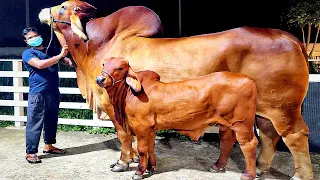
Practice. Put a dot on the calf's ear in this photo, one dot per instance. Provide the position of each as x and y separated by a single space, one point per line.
133 81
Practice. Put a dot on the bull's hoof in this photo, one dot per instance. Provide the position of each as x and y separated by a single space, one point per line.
137 177
260 172
215 169
295 178
119 166
136 159
246 176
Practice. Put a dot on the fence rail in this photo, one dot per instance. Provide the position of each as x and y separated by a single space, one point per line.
18 103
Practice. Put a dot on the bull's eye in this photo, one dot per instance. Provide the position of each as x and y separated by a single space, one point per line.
102 64
76 8
62 9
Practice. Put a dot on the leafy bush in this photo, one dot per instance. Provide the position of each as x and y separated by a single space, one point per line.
6 123
75 113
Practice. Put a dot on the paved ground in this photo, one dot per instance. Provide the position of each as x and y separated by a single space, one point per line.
89 157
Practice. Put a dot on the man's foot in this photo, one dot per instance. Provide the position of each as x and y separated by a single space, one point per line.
54 150
33 158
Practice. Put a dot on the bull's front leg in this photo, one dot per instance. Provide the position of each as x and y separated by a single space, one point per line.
126 143
134 150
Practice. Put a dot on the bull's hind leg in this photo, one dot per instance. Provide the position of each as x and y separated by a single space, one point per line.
248 144
269 138
296 140
227 140
294 132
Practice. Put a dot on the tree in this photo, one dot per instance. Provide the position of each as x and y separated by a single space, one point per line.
304 13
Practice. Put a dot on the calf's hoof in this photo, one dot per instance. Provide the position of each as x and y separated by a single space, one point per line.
119 166
246 176
137 177
215 169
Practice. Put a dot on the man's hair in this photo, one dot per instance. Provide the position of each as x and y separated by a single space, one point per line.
27 30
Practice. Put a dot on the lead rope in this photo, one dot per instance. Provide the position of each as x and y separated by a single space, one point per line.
51 31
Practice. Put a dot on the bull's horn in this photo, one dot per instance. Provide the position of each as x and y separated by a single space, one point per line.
77 27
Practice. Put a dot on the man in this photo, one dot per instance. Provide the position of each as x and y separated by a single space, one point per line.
44 95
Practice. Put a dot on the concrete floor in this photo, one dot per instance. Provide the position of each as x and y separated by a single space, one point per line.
89 157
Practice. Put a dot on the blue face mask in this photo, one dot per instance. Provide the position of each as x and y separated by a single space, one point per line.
36 41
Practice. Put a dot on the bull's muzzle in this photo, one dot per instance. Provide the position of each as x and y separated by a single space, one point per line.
44 16
100 80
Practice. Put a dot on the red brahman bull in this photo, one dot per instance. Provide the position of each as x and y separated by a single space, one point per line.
274 59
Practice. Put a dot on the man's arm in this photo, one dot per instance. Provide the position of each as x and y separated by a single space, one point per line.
45 63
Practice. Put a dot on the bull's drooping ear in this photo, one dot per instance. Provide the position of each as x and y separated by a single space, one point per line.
76 27
133 81
85 11
81 14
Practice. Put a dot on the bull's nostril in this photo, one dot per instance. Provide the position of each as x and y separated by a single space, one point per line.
100 80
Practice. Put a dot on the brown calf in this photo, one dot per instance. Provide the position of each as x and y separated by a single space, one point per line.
143 105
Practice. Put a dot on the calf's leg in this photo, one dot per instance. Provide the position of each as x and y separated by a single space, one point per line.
151 156
143 149
227 140
248 144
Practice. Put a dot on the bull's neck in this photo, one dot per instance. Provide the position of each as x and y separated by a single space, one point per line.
78 49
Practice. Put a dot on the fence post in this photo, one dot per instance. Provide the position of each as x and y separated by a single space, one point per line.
17 96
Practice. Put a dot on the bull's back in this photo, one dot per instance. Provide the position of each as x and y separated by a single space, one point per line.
274 59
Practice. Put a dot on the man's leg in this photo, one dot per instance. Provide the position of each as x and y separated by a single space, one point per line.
51 123
35 116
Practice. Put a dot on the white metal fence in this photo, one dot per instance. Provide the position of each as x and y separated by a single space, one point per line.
18 103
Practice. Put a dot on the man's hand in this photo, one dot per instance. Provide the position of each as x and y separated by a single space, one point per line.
64 51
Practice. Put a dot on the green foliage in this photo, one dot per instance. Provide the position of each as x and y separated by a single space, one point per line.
75 113
301 13
6 123
81 114
4 110
89 129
